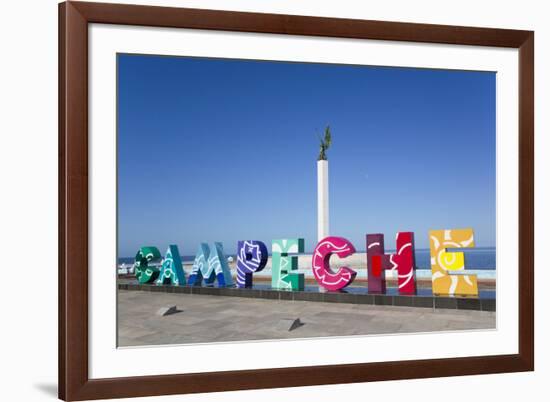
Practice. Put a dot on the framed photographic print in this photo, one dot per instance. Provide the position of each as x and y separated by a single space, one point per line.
259 200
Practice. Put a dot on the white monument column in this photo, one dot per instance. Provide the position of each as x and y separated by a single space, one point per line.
322 199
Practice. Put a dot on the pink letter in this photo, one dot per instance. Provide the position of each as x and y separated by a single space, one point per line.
332 281
403 262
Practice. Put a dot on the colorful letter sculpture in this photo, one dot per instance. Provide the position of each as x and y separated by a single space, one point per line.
282 264
210 264
403 262
251 257
325 276
145 273
171 271
448 267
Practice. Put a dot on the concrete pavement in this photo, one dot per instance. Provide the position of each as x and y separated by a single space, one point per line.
219 319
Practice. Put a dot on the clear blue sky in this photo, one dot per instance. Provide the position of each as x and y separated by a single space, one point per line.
226 150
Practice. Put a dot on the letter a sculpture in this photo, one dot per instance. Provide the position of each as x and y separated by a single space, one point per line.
171 271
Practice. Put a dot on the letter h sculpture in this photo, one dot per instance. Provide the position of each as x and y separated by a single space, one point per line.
402 262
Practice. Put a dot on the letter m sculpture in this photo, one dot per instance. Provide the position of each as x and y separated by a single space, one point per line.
210 265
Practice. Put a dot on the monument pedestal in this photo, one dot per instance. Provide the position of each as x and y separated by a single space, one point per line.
322 200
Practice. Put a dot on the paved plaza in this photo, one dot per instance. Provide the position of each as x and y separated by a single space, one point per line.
202 318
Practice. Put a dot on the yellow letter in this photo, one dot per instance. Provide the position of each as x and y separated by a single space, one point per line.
448 277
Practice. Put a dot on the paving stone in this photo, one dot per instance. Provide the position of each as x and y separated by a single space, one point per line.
210 318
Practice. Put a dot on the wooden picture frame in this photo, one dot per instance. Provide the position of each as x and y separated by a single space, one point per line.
74 381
